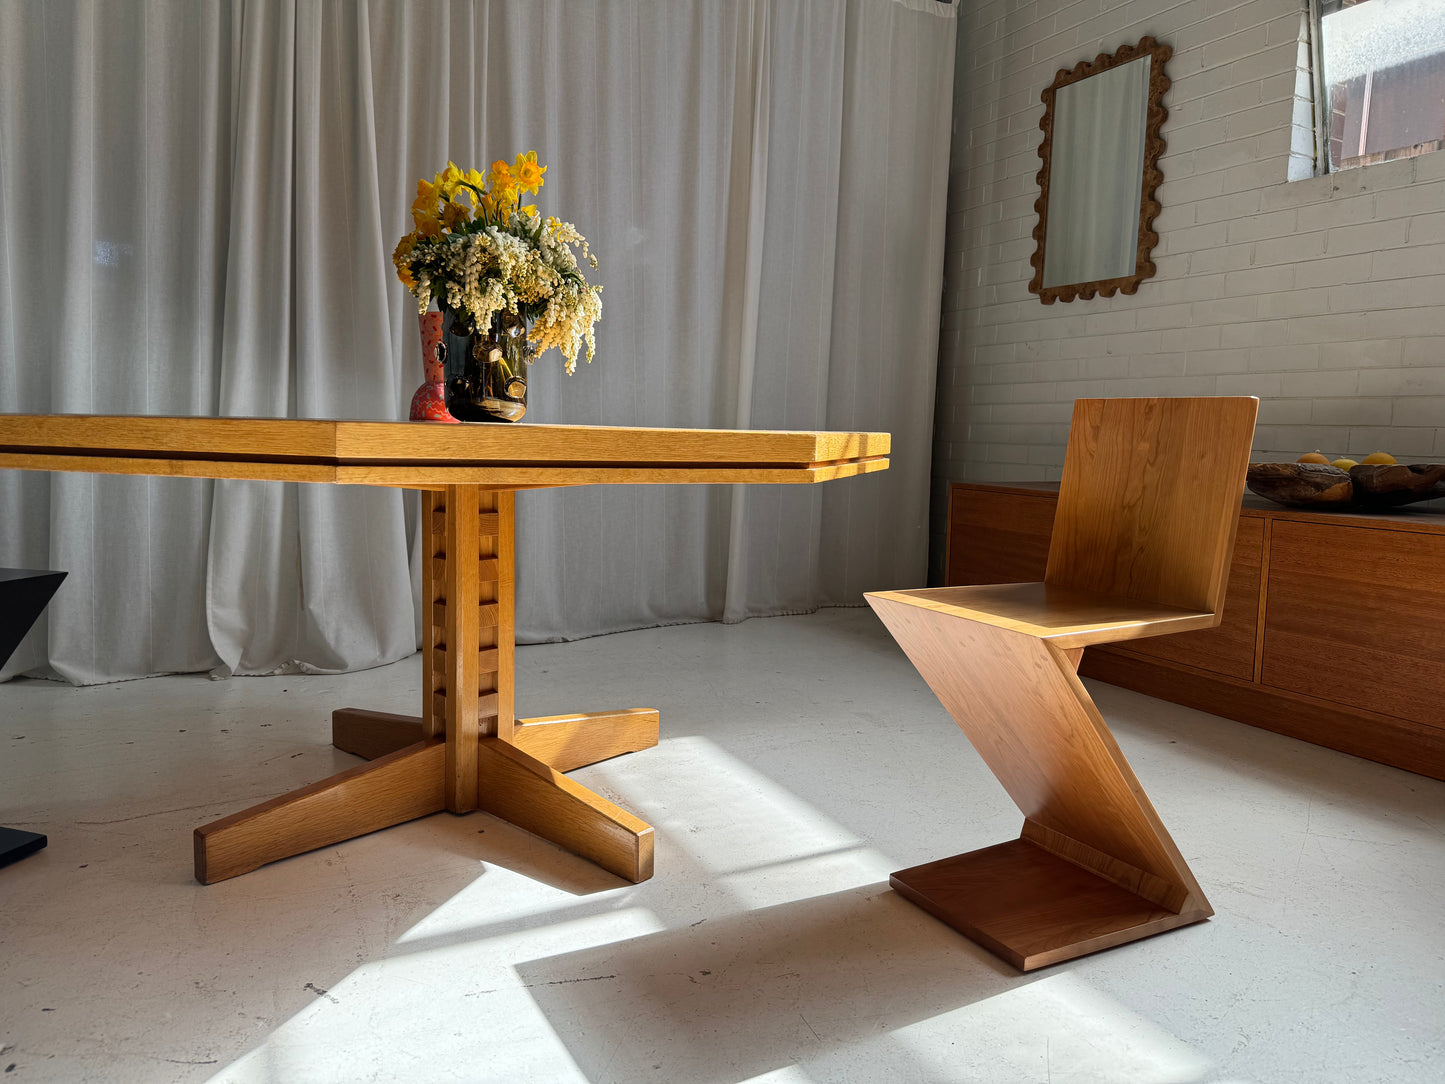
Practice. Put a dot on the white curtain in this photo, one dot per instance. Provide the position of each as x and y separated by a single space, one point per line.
197 207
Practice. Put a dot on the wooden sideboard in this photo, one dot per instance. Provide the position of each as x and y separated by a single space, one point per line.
1333 628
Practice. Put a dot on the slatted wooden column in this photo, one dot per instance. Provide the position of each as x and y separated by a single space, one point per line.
498 614
469 582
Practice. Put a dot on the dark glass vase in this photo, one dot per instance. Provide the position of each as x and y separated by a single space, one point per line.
486 371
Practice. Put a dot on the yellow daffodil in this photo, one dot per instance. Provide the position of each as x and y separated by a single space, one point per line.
400 256
454 214
527 174
474 184
473 249
424 207
448 180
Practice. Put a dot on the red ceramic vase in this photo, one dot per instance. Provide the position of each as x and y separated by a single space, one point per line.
429 404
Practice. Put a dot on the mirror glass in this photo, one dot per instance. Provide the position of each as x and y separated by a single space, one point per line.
1097 172
1100 156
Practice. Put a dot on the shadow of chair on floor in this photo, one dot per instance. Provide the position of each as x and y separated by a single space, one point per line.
756 992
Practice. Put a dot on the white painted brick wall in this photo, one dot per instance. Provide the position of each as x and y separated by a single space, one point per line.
1322 296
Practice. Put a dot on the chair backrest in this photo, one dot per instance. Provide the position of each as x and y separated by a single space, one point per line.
1150 498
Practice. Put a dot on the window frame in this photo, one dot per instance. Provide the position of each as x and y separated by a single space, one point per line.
1321 105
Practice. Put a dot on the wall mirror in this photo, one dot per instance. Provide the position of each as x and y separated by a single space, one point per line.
1100 155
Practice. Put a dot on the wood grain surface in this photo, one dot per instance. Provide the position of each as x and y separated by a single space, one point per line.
530 794
1357 617
1400 743
392 789
476 756
1065 617
460 666
1220 670
564 742
1229 647
465 758
1141 541
371 734
425 453
1017 699
997 536
1149 500
1031 907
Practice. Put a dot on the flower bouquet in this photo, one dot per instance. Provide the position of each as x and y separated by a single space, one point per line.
506 280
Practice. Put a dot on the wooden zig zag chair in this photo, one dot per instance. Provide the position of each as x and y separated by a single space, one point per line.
1142 540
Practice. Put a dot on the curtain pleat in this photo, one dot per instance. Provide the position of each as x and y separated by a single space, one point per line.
197 208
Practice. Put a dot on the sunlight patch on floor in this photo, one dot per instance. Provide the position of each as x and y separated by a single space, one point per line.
1059 1029
488 1008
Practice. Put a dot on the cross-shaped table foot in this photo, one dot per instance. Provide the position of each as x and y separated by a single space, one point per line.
520 781
466 751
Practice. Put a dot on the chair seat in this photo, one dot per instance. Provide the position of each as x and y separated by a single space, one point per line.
1066 617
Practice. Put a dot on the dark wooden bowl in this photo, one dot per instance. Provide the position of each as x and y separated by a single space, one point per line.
1302 485
1394 484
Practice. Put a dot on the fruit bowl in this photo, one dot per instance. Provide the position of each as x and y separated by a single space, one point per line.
1394 484
1301 485
1367 486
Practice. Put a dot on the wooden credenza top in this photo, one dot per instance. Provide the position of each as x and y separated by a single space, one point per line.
425 454
1428 516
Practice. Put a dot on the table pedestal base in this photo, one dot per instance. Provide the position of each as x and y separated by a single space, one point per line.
520 781
466 751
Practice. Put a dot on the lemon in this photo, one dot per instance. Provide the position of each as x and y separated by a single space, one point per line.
1314 457
1375 459
1345 464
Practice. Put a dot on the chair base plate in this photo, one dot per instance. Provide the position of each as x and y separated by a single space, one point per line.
1031 907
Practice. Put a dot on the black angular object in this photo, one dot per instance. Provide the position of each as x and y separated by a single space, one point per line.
15 844
24 594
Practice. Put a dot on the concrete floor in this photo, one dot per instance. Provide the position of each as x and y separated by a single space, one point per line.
802 760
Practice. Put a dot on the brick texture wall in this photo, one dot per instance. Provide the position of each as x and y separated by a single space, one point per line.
1321 296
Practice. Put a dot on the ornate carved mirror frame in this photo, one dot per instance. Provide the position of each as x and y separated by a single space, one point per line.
1158 83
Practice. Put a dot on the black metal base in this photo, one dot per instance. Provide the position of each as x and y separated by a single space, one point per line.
24 593
15 844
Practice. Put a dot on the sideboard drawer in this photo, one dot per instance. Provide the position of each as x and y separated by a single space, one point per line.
998 536
1229 647
1357 617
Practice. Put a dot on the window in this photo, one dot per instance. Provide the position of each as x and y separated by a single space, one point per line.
1380 90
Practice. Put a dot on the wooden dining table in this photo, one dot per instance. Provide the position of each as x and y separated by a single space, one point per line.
465 750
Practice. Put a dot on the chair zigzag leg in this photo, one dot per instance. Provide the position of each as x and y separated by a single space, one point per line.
1094 866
